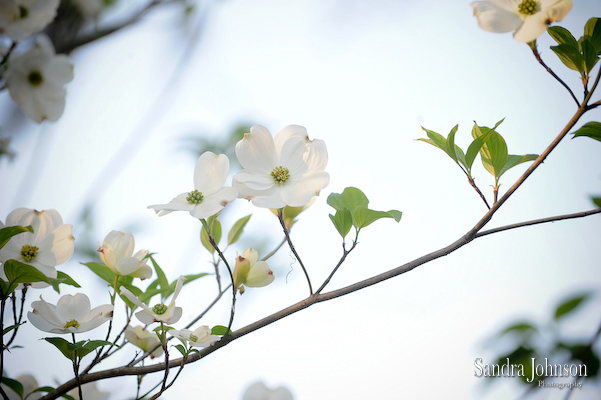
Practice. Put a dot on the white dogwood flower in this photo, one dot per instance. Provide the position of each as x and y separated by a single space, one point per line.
285 171
250 272
117 253
200 337
144 339
36 80
50 244
258 391
72 314
168 314
527 19
19 19
209 196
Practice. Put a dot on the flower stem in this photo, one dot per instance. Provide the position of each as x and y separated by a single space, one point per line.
76 369
2 305
287 233
549 70
234 288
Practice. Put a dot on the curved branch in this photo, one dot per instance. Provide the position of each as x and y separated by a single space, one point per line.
316 298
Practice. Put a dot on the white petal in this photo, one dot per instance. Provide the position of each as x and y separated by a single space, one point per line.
494 18
47 311
299 192
210 172
73 307
96 317
256 151
293 155
270 198
145 317
134 267
177 314
251 255
122 243
214 203
260 275
43 325
254 180
178 288
63 245
179 203
291 131
532 28
317 157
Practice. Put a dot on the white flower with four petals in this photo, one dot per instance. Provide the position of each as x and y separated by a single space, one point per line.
117 253
167 314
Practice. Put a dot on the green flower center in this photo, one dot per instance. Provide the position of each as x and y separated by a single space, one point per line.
23 12
528 7
29 252
280 174
159 309
72 324
193 338
35 78
194 197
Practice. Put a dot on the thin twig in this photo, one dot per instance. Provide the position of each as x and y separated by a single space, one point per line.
287 233
549 70
345 253
272 252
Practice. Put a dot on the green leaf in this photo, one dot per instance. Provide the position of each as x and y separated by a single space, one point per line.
102 271
447 145
18 272
10 231
590 129
364 216
181 349
15 385
64 279
513 160
68 349
84 349
451 143
570 56
204 239
597 201
474 148
189 278
163 283
589 54
46 389
520 327
592 29
343 221
350 198
570 305
237 230
562 36
216 231
220 330
10 328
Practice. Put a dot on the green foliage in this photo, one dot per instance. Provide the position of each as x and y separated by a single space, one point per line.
108 276
220 330
570 305
10 328
597 201
590 129
46 389
237 230
352 210
211 227
15 385
580 55
10 231
17 272
76 350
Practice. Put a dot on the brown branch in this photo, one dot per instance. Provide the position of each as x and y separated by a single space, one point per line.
549 70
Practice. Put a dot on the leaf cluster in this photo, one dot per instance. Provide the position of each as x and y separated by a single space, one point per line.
580 55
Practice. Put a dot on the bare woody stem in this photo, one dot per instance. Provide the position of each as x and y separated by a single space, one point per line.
549 70
287 233
234 288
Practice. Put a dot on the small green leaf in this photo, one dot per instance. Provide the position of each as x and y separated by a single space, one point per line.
15 385
46 389
343 221
64 279
474 148
589 54
161 278
10 328
597 201
216 231
592 29
513 160
68 349
204 239
364 216
220 330
10 231
181 349
189 278
237 230
590 129
570 305
102 271
570 56
520 327
18 272
350 198
562 36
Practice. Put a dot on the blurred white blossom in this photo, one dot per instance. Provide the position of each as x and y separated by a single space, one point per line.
72 314
36 80
89 8
287 170
527 19
29 385
90 392
258 391
19 19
